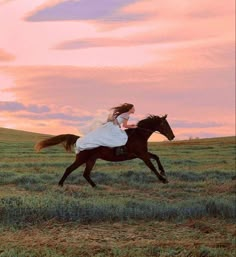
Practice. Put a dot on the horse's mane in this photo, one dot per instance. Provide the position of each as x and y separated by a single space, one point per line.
149 122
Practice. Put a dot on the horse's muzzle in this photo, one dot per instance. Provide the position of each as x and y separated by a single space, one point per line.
171 137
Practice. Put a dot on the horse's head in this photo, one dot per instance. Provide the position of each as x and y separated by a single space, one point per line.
164 128
155 123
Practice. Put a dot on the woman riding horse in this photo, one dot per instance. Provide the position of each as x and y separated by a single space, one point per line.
109 134
135 139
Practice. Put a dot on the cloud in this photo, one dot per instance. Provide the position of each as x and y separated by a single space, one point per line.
172 8
85 88
98 42
128 10
40 117
192 124
174 57
5 1
16 106
82 10
43 112
149 38
90 88
6 57
56 116
197 102
166 22
16 115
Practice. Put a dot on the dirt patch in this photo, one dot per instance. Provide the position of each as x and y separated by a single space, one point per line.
98 237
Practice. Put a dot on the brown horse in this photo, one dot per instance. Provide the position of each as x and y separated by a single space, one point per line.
136 147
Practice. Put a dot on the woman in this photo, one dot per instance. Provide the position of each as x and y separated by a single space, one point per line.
110 134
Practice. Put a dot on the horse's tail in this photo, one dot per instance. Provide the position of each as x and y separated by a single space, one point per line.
67 140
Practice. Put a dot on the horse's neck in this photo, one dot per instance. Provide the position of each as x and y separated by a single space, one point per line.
147 134
143 133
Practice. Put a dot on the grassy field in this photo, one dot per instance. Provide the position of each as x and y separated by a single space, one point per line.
129 213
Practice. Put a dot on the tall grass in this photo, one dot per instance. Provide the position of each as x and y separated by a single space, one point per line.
137 251
32 210
200 187
21 252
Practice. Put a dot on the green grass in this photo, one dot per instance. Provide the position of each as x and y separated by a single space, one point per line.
21 252
175 219
33 210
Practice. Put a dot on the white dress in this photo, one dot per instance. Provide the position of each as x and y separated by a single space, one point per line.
110 134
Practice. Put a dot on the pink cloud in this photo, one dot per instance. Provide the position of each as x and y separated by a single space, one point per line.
80 10
16 106
174 57
172 8
191 95
6 57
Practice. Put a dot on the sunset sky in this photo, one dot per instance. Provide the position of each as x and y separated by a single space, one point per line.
64 63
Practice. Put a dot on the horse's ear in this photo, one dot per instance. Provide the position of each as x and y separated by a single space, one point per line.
165 116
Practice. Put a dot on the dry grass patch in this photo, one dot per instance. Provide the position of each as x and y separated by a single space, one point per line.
105 237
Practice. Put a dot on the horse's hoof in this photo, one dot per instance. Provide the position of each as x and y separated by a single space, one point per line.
60 184
165 181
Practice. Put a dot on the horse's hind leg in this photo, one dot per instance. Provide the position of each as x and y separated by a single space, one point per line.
89 166
71 168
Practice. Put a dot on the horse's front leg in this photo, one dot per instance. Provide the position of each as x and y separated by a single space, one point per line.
146 159
157 159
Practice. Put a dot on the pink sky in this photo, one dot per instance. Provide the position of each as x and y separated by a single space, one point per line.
64 63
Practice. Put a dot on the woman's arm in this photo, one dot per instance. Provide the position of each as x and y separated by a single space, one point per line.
126 125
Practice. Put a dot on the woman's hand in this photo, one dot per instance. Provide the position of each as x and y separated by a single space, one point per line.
129 126
126 125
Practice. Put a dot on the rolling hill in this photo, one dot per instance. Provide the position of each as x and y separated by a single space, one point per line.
13 135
